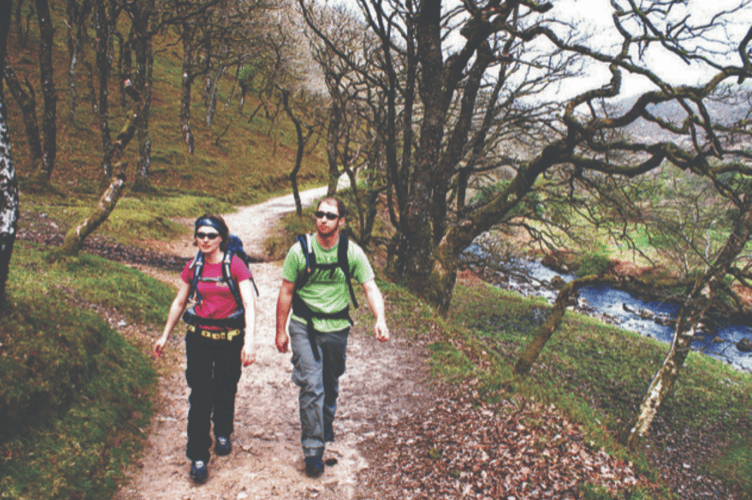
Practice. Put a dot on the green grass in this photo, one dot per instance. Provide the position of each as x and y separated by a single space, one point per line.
74 394
145 218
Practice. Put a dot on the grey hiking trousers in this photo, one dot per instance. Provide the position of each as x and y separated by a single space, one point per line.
318 381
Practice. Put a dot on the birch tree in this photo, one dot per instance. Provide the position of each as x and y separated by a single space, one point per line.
8 187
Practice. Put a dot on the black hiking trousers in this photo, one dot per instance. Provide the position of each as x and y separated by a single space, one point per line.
212 373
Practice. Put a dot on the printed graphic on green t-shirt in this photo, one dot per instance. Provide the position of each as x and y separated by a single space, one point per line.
326 290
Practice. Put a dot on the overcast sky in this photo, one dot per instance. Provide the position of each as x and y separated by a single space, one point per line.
593 17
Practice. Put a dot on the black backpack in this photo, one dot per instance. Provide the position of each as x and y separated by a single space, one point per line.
234 247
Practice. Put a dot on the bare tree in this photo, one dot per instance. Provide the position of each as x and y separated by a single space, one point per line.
526 46
355 143
305 114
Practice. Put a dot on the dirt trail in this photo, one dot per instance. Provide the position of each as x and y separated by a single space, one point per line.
382 383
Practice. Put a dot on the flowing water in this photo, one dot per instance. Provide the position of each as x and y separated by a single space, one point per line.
631 313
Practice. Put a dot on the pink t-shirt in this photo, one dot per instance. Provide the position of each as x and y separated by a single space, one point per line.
217 301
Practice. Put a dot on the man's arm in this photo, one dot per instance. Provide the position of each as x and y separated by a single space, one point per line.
284 303
376 303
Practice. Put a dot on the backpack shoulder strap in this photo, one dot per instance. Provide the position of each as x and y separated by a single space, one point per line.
227 276
198 266
343 263
310 259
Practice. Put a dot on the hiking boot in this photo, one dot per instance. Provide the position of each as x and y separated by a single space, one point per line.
198 471
223 446
328 433
314 467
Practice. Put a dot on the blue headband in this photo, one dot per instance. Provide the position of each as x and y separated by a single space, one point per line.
206 221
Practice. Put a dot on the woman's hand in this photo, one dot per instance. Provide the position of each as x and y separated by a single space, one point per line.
159 345
248 354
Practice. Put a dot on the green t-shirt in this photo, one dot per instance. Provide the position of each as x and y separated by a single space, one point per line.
323 292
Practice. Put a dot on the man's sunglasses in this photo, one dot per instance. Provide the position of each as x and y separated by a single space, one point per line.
211 236
319 215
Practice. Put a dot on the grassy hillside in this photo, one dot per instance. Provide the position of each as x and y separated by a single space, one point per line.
235 160
74 393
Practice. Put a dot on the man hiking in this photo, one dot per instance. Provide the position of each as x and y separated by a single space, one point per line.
316 286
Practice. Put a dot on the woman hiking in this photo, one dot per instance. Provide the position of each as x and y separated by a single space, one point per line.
220 337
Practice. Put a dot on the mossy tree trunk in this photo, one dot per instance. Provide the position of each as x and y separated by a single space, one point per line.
75 237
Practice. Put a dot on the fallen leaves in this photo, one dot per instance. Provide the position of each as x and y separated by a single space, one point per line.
460 449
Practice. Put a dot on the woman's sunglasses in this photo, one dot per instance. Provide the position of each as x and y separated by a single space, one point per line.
211 236
318 214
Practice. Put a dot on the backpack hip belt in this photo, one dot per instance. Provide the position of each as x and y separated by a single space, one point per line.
237 320
216 335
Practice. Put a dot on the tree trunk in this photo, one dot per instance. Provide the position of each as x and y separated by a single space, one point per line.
212 107
103 69
46 72
298 156
8 184
75 237
28 105
547 329
77 14
140 16
332 139
693 310
23 34
185 95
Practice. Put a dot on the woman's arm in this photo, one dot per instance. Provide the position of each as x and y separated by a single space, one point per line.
176 311
248 354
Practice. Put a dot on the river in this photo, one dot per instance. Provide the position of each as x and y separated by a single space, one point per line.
626 311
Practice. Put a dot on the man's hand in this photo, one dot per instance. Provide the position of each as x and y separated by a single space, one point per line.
248 354
381 331
282 341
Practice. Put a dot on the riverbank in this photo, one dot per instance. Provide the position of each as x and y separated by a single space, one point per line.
635 307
